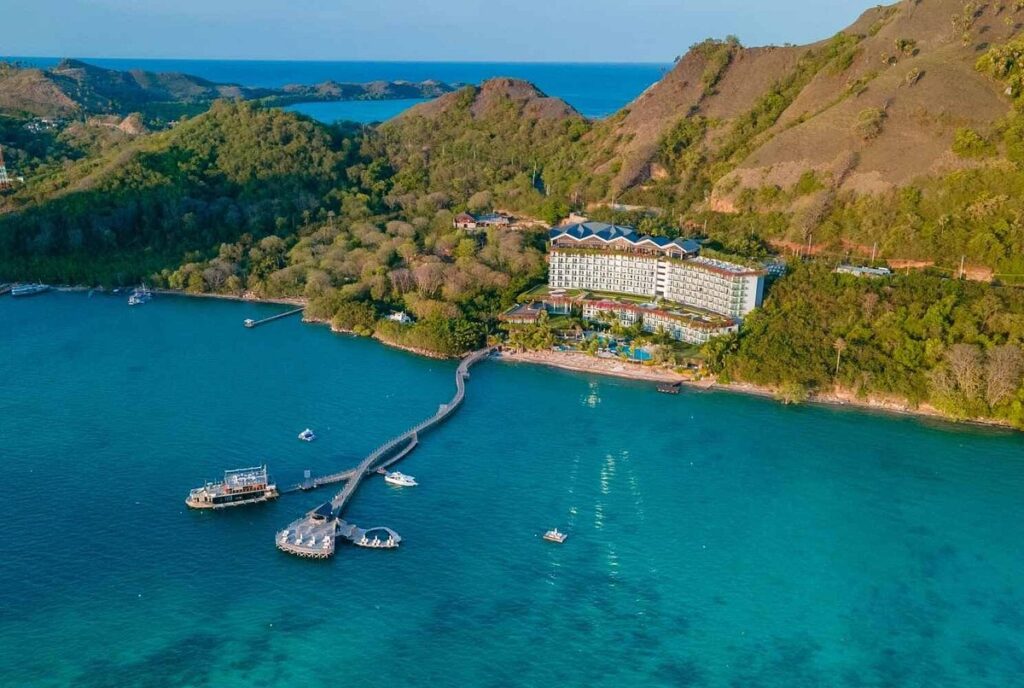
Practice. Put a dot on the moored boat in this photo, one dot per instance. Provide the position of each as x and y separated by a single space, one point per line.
140 296
240 486
28 289
554 535
400 479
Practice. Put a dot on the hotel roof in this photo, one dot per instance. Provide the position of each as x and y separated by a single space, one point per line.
724 267
607 233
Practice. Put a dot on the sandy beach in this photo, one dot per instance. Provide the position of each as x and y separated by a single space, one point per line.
584 363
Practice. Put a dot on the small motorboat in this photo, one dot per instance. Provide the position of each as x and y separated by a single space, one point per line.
400 479
307 435
554 535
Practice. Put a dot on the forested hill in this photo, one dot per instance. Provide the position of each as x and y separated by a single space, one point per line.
137 208
505 137
75 88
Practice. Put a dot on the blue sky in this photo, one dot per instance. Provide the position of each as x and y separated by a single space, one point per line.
484 30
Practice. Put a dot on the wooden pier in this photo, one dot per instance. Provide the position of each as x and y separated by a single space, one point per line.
250 323
315 534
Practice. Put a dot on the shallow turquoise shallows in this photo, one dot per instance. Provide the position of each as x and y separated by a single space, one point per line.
714 539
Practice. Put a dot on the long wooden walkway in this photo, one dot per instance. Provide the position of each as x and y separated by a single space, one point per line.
314 534
250 323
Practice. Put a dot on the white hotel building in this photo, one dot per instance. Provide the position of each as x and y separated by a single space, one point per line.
595 256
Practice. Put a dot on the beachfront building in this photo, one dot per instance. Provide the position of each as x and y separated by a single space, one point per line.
523 314
681 324
600 257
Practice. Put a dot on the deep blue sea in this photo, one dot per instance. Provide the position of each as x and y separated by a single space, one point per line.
595 89
714 540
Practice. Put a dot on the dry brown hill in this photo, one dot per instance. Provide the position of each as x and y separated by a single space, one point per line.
873 108
491 96
640 127
32 91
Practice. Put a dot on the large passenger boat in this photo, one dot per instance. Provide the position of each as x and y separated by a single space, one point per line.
240 486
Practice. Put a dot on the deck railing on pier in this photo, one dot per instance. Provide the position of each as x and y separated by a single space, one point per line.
366 466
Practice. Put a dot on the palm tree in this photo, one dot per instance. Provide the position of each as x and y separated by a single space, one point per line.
840 346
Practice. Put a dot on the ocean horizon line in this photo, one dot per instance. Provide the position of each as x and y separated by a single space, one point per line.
343 61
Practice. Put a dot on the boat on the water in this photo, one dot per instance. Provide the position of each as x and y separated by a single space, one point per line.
28 289
670 387
400 479
140 296
307 435
240 486
554 535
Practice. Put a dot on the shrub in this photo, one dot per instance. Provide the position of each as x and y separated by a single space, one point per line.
807 184
967 143
869 123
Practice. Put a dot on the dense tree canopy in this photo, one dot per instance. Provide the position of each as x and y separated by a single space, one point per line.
927 339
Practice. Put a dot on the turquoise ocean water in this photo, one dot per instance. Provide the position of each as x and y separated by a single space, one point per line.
362 111
595 89
714 539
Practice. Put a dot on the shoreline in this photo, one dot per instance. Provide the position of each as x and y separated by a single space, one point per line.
583 363
248 297
394 345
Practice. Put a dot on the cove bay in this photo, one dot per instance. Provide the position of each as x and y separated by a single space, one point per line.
715 539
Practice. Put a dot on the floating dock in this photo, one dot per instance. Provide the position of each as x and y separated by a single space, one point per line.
314 536
670 387
250 323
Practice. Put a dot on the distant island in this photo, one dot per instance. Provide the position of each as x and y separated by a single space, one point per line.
74 88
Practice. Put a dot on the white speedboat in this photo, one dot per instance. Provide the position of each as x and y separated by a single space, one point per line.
554 535
307 435
400 479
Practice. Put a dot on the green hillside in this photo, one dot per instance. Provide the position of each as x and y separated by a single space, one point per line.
139 206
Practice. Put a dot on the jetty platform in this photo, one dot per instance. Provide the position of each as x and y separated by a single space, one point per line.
250 323
315 535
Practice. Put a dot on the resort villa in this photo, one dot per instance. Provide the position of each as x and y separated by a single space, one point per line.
467 221
863 271
663 283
